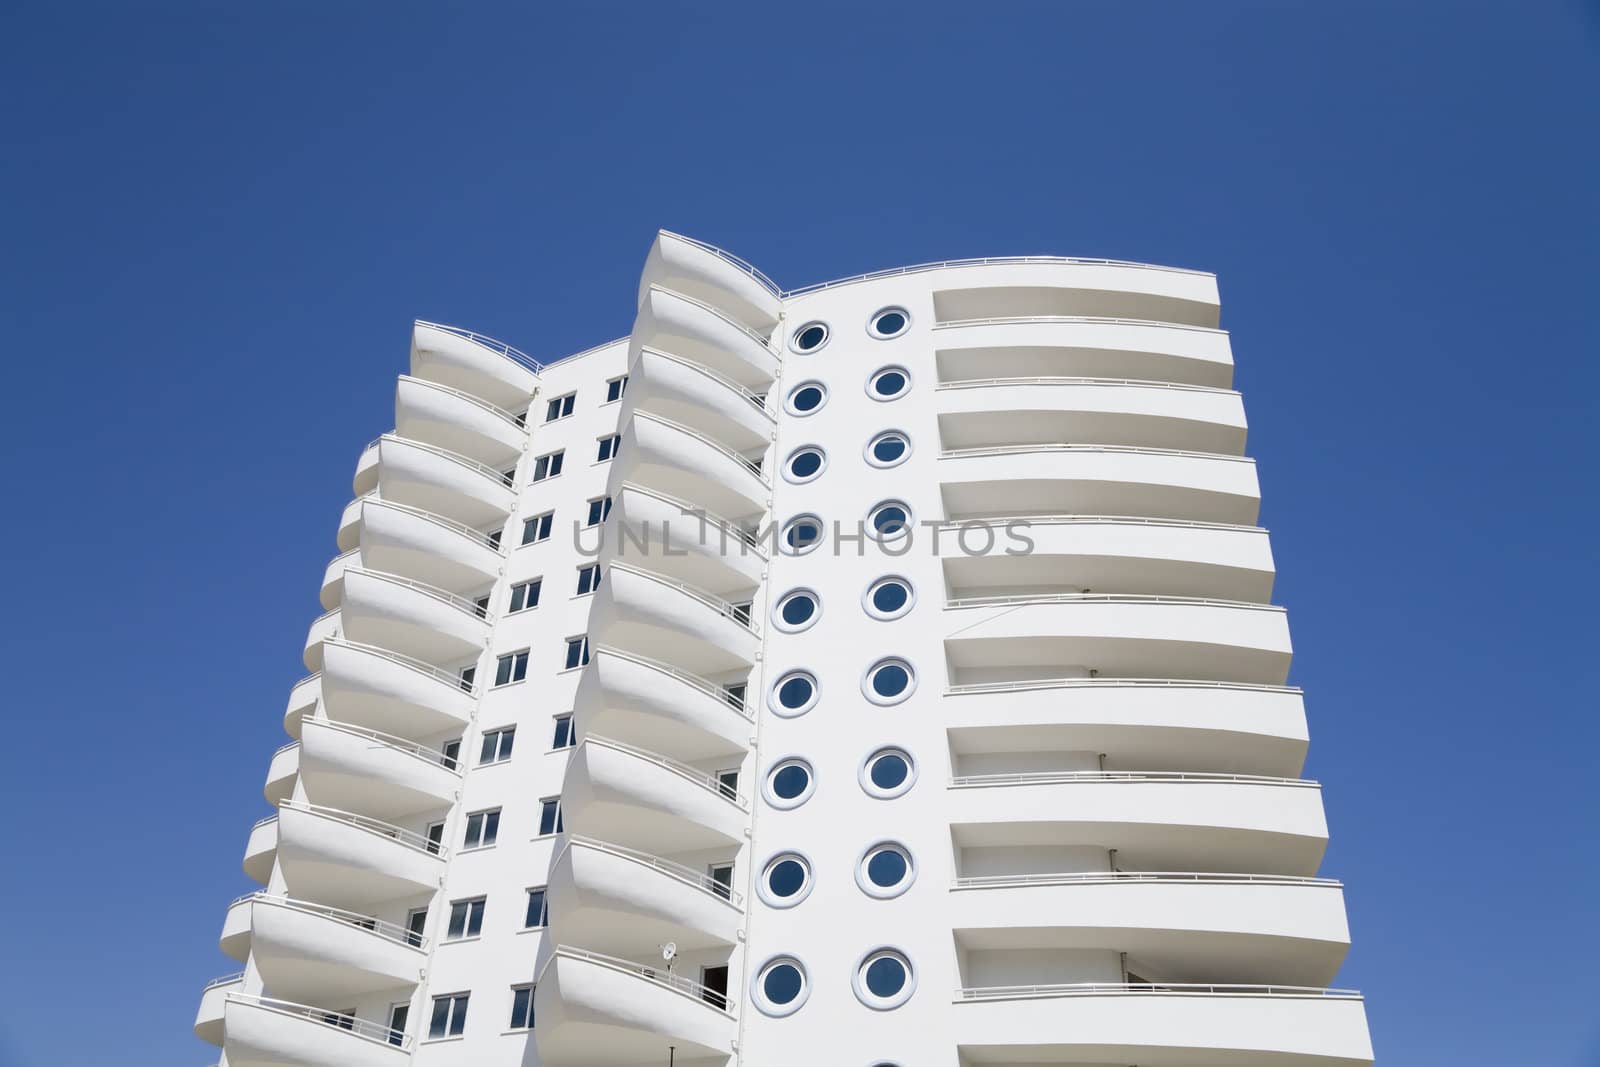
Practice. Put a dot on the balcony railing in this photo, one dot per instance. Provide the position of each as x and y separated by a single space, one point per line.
752 465
408 838
333 1020
731 259
989 261
710 689
1073 989
970 781
437 673
699 513
460 603
389 931
739 613
498 477
484 341
227 979
709 782
759 400
483 405
688 875
411 748
713 998
1003 881
489 540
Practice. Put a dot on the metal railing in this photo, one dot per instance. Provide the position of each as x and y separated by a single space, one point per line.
719 313
264 820
333 1020
757 400
694 681
1002 881
519 424
227 979
731 259
403 660
708 782
991 261
751 465
1107 598
460 603
1070 989
739 613
983 383
499 348
440 520
281 749
979 781
1097 320
695 511
712 998
387 930
498 477
408 838
400 744
1112 683
697 879
1013 450
1102 520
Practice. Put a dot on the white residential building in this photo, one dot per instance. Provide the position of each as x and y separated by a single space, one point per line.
984 756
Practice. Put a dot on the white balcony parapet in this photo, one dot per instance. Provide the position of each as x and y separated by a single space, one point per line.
408 838
728 257
1102 320
753 466
739 613
411 662
487 540
366 607
705 781
500 348
688 875
750 396
1105 598
1007 450
988 261
710 689
332 1021
399 744
1069 989
498 477
979 781
1105 520
736 532
208 1020
1098 683
649 973
512 420
1001 881
982 383
378 927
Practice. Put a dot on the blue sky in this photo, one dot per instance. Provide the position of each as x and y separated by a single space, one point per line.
219 221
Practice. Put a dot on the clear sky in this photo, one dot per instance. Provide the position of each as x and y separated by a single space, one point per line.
220 220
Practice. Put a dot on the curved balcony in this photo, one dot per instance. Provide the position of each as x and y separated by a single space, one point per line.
411 618
1168 1025
1229 927
1063 346
371 773
1141 724
1106 554
695 396
669 621
208 1021
429 548
333 578
313 952
304 696
434 479
1057 285
324 628
261 849
1099 480
596 1009
278 1033
372 687
998 412
349 536
637 799
457 421
689 329
1018 637
235 939
706 273
659 708
680 462
613 899
281 773
472 363
1155 821
680 540
365 479
346 860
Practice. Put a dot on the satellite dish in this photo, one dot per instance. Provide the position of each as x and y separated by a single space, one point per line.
669 951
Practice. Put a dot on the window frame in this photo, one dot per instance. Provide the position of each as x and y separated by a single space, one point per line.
541 532
560 407
455 1015
488 830
548 466
535 584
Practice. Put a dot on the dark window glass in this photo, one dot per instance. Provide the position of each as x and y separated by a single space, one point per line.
538 915
522 1007
550 817
564 734
577 651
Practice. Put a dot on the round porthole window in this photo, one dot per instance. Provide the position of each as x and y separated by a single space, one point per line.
889 520
886 870
888 449
802 534
806 397
780 986
888 773
785 880
797 610
789 783
889 681
794 694
890 322
889 383
888 598
804 464
884 979
810 337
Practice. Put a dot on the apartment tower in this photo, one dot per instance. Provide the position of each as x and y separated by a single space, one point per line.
877 673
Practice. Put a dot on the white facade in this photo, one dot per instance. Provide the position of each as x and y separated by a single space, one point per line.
1033 799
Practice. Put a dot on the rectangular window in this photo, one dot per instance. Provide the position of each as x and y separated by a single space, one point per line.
548 466
588 578
609 447
468 676
511 667
615 388
714 985
550 816
599 508
560 407
721 879
508 478
565 737
735 692
449 1015
522 1007
398 1015
481 606
538 910
497 745
494 537
482 828
466 919
728 783
416 923
525 595
538 527
435 837
577 651
741 612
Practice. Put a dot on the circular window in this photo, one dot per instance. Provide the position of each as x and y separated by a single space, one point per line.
789 783
802 534
810 337
780 987
797 610
890 322
888 598
886 870
888 449
794 694
889 520
806 397
889 681
889 383
804 464
785 880
884 979
888 773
